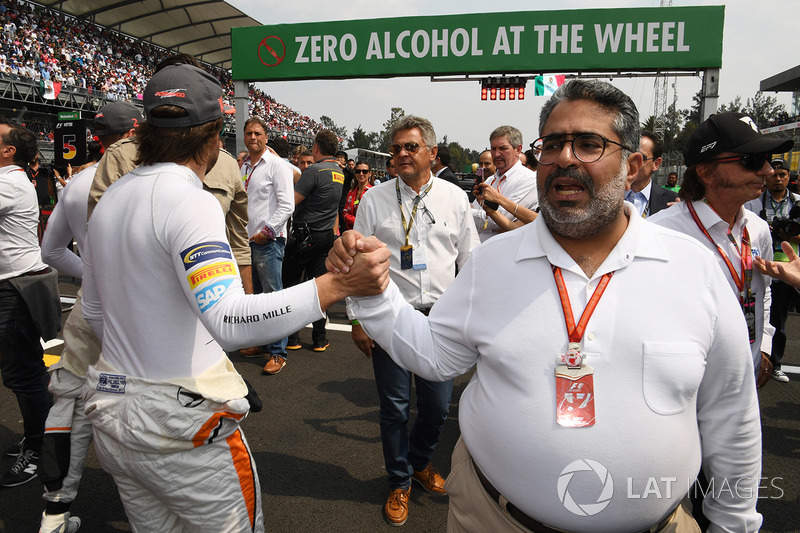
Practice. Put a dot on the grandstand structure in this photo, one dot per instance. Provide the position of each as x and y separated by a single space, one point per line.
77 55
787 81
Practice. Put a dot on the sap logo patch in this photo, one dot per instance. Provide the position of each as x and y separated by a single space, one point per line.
211 294
113 383
210 272
205 251
338 177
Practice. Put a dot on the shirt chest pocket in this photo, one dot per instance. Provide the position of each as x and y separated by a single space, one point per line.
672 372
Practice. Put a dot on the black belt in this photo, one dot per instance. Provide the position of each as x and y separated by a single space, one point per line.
536 526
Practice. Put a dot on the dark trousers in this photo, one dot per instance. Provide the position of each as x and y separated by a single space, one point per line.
304 261
783 296
22 364
404 451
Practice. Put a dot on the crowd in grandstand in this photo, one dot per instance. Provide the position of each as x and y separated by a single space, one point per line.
39 44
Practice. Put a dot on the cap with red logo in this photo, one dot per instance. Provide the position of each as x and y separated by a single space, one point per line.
187 87
117 117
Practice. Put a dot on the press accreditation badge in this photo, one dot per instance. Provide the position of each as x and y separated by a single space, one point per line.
749 308
575 395
407 257
420 258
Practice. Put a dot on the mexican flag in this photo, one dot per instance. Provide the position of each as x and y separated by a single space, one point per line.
547 85
50 90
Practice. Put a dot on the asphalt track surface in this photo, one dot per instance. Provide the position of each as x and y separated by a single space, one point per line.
318 451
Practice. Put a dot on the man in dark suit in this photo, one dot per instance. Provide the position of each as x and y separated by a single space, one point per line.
649 200
441 165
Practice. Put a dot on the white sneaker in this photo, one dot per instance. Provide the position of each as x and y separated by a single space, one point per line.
59 523
779 375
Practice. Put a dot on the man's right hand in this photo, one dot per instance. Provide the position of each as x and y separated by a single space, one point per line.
340 257
363 342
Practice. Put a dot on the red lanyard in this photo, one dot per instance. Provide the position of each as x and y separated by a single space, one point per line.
499 183
745 252
575 332
252 169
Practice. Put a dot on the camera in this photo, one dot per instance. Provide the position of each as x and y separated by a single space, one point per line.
790 226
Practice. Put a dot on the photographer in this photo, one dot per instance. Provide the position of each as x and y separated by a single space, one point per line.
777 205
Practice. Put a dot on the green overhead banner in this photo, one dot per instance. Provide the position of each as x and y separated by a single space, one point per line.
646 39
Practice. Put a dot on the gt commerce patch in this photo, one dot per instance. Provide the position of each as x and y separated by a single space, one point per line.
207 297
205 251
210 272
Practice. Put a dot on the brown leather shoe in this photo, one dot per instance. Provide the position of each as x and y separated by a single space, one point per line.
430 480
254 351
274 365
396 508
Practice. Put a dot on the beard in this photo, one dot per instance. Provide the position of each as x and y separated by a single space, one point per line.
604 207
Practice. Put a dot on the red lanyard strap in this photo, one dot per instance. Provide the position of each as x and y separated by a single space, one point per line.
744 253
575 332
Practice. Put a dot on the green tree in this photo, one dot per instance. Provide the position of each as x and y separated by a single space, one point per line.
765 110
328 124
384 141
361 139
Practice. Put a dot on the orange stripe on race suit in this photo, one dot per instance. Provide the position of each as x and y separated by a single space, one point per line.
58 430
244 468
203 435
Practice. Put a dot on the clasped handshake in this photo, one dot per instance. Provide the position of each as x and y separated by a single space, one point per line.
362 262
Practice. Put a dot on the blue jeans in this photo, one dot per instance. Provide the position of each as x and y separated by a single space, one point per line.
22 365
267 267
404 451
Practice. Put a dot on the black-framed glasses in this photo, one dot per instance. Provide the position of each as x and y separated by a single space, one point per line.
427 216
586 147
646 159
411 148
362 171
752 162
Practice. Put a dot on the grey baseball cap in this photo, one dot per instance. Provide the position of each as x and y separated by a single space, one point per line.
187 87
117 117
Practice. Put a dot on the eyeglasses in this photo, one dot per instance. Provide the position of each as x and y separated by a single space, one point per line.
752 162
427 216
362 171
586 147
646 159
411 148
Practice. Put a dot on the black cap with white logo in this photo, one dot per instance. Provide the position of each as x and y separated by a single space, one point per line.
730 132
187 87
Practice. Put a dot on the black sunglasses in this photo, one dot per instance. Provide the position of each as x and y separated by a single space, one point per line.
411 148
752 162
361 171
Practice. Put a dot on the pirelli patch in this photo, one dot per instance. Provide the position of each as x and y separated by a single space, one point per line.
210 272
338 177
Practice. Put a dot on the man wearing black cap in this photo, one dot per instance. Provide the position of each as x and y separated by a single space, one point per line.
64 450
775 205
727 161
162 291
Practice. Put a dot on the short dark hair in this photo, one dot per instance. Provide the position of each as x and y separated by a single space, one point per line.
157 145
327 142
341 153
532 162
256 120
389 161
281 146
658 144
444 155
23 140
626 121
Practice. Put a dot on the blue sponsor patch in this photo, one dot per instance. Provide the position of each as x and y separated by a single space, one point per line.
205 251
211 294
111 383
